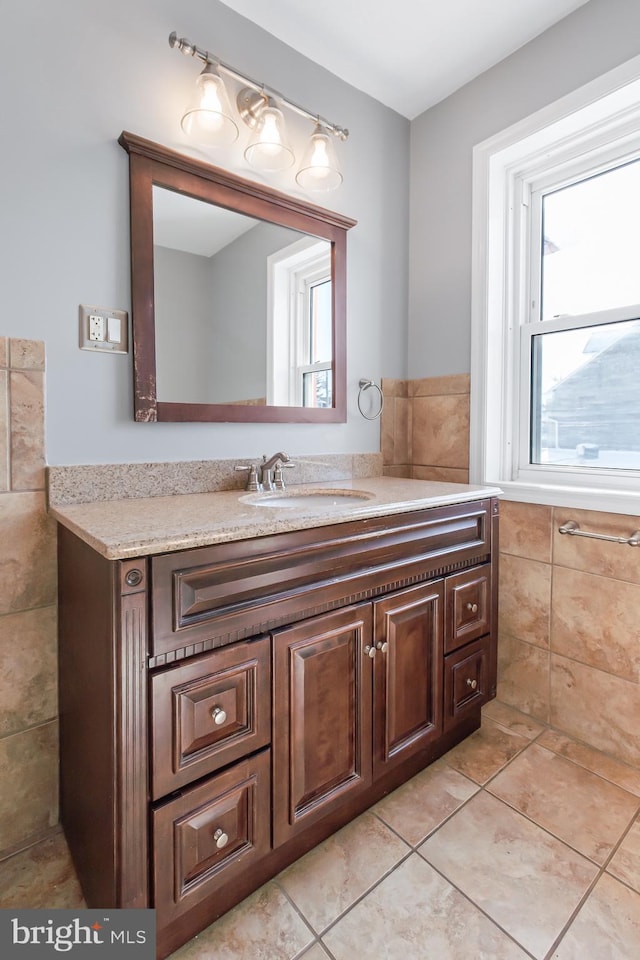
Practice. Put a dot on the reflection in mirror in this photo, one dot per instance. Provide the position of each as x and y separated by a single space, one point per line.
242 308
238 296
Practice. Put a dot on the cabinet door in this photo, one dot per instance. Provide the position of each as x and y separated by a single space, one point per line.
468 606
322 717
466 675
407 673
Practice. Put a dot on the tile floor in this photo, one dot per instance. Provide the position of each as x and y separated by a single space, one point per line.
519 843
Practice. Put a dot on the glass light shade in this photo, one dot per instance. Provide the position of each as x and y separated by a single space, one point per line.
268 149
208 119
319 170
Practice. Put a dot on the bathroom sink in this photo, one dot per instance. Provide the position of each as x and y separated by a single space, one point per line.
308 498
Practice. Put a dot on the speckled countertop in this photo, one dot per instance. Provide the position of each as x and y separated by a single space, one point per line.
120 529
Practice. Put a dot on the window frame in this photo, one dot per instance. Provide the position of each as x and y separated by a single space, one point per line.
291 274
590 129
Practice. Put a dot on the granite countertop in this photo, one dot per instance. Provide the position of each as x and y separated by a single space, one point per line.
120 529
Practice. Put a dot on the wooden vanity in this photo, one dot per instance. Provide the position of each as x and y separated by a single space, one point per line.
224 708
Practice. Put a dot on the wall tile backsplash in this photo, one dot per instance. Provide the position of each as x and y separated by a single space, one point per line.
28 613
425 428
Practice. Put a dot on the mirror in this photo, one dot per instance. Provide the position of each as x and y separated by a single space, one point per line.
238 296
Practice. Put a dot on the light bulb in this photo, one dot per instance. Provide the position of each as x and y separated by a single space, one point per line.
208 120
319 170
268 148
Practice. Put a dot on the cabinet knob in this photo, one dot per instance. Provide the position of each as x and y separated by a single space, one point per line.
472 683
370 651
382 646
219 716
473 607
221 838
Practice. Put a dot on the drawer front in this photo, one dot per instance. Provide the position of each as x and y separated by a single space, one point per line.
209 596
208 712
466 674
210 834
468 606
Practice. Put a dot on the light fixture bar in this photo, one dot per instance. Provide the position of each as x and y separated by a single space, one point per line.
191 50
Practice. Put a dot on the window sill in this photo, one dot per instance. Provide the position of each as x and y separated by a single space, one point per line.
582 498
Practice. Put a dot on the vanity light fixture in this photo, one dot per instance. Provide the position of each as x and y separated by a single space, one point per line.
210 121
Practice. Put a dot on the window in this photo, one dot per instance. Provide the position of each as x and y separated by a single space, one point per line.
556 313
300 336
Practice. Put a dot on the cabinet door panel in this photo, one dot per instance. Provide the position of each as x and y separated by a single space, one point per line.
322 709
407 672
466 675
468 606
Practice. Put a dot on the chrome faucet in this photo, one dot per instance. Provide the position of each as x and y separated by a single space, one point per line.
268 474
270 471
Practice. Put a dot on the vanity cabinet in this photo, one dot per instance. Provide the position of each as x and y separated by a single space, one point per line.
225 708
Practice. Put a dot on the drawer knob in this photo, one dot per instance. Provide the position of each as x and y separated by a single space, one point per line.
472 683
382 646
473 607
370 651
219 716
221 838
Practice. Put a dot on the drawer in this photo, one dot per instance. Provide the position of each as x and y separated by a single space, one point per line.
231 591
209 712
466 674
210 834
467 606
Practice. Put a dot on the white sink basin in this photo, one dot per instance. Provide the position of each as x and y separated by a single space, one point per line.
303 499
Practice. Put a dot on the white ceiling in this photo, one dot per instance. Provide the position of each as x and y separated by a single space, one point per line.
408 54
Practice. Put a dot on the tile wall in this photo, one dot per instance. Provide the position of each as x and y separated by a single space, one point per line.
569 634
28 657
425 428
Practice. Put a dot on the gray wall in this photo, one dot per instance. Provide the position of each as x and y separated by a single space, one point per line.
77 73
597 37
182 312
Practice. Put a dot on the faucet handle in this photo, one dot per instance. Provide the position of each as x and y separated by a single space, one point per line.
278 478
252 479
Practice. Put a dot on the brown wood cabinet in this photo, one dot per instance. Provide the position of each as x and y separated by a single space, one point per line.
225 708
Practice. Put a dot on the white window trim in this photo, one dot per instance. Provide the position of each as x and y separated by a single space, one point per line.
605 110
304 260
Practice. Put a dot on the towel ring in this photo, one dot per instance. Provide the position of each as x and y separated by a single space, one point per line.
365 385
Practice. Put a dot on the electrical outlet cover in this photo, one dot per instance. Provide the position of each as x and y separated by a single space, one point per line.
99 327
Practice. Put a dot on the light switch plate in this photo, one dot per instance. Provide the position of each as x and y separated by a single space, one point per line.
103 329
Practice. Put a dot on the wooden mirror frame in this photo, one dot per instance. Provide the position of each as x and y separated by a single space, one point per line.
152 164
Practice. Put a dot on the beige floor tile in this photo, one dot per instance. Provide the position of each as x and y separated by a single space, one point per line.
607 927
414 914
41 877
513 719
614 770
263 927
526 880
485 752
625 865
587 812
330 878
419 806
316 952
